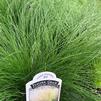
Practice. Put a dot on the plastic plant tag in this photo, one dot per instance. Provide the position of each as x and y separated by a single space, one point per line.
45 86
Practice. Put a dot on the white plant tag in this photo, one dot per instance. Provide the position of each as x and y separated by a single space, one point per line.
45 86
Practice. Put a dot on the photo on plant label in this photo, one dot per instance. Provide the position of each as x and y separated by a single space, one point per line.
44 93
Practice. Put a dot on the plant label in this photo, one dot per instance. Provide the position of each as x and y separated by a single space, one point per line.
45 86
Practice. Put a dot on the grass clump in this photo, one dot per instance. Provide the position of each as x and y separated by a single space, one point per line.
62 36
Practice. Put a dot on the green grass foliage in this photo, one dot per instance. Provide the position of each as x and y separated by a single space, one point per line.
61 36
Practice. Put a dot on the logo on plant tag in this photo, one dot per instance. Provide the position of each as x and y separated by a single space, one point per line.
45 86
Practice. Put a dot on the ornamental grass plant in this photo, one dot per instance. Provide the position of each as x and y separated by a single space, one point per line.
61 36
